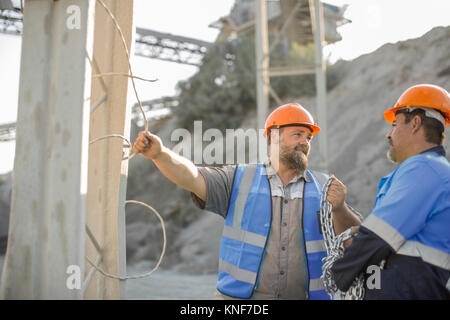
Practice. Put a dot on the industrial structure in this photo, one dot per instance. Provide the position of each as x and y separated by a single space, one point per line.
149 43
299 21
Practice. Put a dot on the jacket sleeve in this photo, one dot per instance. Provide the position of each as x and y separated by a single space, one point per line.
403 207
366 249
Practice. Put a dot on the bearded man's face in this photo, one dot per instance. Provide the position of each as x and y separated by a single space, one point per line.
294 147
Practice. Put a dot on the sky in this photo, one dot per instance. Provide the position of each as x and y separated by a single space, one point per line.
374 23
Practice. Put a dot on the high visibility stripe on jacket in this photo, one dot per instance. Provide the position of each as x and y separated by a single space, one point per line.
247 230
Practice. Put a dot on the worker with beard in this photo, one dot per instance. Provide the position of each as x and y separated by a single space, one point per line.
407 234
271 246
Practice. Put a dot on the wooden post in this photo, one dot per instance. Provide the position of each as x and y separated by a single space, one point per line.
46 231
107 172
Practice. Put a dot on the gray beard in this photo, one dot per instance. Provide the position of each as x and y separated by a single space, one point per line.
390 156
293 160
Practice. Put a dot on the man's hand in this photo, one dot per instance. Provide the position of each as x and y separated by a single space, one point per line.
343 217
337 192
148 145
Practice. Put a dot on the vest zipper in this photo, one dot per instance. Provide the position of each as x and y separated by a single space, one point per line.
304 243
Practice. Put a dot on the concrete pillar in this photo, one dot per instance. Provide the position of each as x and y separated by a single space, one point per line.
46 231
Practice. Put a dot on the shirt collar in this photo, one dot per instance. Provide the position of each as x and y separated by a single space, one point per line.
271 173
438 149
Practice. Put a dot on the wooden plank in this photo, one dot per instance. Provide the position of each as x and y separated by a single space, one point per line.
107 172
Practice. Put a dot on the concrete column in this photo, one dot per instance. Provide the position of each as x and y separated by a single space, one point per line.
46 231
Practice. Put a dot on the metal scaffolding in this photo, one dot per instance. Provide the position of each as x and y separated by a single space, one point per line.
169 47
149 43
7 132
264 72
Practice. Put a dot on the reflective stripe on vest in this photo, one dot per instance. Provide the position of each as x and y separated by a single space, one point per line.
247 228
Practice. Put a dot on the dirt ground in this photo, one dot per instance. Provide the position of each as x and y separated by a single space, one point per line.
164 284
168 285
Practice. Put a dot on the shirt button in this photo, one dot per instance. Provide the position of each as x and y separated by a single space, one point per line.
285 201
283 248
284 224
281 272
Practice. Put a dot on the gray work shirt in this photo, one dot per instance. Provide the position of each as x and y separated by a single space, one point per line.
283 273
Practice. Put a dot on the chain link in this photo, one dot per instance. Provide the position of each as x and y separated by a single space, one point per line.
335 250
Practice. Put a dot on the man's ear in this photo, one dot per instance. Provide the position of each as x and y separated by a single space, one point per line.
416 123
274 136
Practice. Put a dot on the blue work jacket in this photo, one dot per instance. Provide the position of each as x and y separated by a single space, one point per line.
409 228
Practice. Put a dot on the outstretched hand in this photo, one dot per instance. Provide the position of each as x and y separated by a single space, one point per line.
148 145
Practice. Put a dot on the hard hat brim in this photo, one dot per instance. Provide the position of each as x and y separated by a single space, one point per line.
389 114
313 127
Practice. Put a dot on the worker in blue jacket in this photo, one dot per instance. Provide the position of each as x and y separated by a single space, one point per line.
407 234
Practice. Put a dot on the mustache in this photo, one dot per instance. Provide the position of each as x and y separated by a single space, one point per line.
302 148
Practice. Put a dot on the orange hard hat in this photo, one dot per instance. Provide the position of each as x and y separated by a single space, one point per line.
290 114
422 96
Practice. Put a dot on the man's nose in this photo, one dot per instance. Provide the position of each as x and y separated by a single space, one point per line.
388 135
304 140
304 145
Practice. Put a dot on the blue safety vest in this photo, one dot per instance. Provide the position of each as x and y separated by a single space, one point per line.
247 230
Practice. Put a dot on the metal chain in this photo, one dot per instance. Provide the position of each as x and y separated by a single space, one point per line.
335 250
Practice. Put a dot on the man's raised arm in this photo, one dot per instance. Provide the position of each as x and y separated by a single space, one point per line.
176 168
